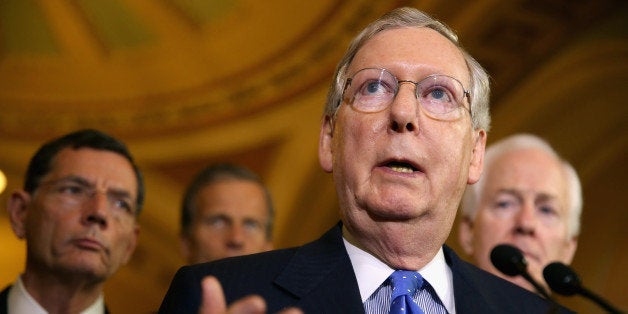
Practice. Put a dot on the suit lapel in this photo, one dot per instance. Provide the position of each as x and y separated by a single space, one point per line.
469 299
318 271
4 304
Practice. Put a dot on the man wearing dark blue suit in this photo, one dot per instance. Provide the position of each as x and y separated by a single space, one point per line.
403 133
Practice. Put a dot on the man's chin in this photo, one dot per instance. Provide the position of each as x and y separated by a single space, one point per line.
87 264
394 209
87 271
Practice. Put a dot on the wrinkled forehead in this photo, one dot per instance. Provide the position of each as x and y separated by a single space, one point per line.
98 167
530 170
412 51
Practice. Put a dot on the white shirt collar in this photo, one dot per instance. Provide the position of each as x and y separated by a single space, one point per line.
372 272
20 301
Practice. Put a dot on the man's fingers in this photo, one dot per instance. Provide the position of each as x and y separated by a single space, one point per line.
213 297
214 301
291 310
252 304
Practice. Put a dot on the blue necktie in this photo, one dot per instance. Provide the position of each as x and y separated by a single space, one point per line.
404 285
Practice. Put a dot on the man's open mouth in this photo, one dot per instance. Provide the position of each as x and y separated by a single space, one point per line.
401 166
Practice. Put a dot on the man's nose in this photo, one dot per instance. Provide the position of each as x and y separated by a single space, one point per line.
404 109
236 236
96 209
526 219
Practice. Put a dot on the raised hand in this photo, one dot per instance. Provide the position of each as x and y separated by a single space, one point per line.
214 301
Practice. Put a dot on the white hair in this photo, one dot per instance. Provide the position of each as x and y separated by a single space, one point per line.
527 141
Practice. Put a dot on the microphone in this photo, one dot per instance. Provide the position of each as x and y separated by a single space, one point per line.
510 261
564 280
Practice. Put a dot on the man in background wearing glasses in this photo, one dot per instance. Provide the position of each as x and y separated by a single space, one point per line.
78 215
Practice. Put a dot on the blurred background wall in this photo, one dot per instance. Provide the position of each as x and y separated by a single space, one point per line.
189 82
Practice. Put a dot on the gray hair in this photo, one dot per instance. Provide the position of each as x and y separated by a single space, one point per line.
527 141
410 17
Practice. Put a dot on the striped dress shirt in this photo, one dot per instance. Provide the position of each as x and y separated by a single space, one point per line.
425 297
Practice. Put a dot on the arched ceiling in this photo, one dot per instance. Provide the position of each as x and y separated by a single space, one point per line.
160 66
189 82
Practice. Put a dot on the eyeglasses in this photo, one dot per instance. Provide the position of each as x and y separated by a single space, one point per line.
373 90
76 192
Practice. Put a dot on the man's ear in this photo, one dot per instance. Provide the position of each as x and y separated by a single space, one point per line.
477 157
17 208
465 234
325 145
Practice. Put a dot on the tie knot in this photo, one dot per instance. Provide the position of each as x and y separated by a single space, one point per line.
405 282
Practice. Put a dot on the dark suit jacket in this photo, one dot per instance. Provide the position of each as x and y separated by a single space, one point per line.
4 304
318 278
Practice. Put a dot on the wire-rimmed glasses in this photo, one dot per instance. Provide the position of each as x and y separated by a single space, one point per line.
374 89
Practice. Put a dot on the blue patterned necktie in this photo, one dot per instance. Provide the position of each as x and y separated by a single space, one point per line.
404 285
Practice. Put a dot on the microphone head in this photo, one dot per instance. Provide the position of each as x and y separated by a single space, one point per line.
509 260
562 279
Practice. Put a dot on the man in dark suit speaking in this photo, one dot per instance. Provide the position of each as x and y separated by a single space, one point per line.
403 133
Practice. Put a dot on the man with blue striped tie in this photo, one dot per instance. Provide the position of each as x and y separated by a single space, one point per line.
403 134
